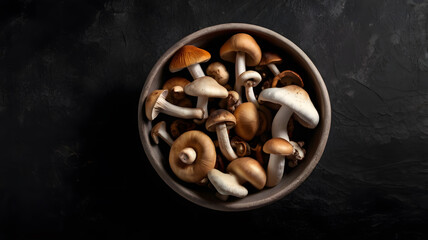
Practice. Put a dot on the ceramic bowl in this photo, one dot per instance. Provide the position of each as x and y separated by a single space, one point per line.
211 39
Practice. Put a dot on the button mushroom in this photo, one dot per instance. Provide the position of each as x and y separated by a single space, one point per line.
204 88
218 71
156 103
189 57
250 79
175 87
247 121
159 131
293 99
242 49
278 148
220 121
192 156
240 171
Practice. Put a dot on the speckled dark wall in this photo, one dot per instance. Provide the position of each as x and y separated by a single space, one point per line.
71 162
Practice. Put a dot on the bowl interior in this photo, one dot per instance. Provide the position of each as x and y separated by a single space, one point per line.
211 39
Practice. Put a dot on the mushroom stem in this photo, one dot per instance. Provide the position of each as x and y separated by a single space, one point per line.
224 143
176 111
273 68
275 169
187 155
280 121
196 71
249 92
202 103
239 69
164 135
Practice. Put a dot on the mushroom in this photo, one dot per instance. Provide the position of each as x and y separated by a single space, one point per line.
218 71
189 57
192 156
242 49
240 171
250 79
287 77
270 60
159 131
241 147
293 99
220 121
205 87
175 87
247 121
231 102
156 103
278 148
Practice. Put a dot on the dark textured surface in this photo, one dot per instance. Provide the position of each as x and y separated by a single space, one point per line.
71 162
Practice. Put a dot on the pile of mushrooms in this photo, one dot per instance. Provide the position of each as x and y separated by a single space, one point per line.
233 140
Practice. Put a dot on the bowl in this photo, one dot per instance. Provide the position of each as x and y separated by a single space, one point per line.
211 39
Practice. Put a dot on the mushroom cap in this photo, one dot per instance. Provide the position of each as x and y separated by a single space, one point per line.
226 184
205 156
288 77
150 104
247 120
218 71
270 57
220 116
295 98
175 81
241 42
206 86
278 146
249 170
250 75
186 56
155 130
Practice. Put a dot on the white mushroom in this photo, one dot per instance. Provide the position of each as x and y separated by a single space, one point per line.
204 88
218 71
250 79
156 103
159 131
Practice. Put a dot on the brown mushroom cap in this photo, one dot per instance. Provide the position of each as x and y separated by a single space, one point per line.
288 77
241 42
205 156
220 116
269 57
206 86
278 146
249 170
186 56
151 112
247 120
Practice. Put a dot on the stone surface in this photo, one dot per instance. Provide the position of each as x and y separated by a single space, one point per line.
71 162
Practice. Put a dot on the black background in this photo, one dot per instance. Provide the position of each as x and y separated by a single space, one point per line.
72 165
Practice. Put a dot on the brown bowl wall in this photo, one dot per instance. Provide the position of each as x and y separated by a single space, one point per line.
211 39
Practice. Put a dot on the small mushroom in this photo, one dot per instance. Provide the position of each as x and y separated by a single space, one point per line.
220 121
240 171
218 71
250 79
278 148
159 131
270 60
189 57
241 147
247 121
192 156
242 49
287 77
204 88
175 87
231 102
156 103
293 99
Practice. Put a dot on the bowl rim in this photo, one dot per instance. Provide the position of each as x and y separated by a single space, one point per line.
237 205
